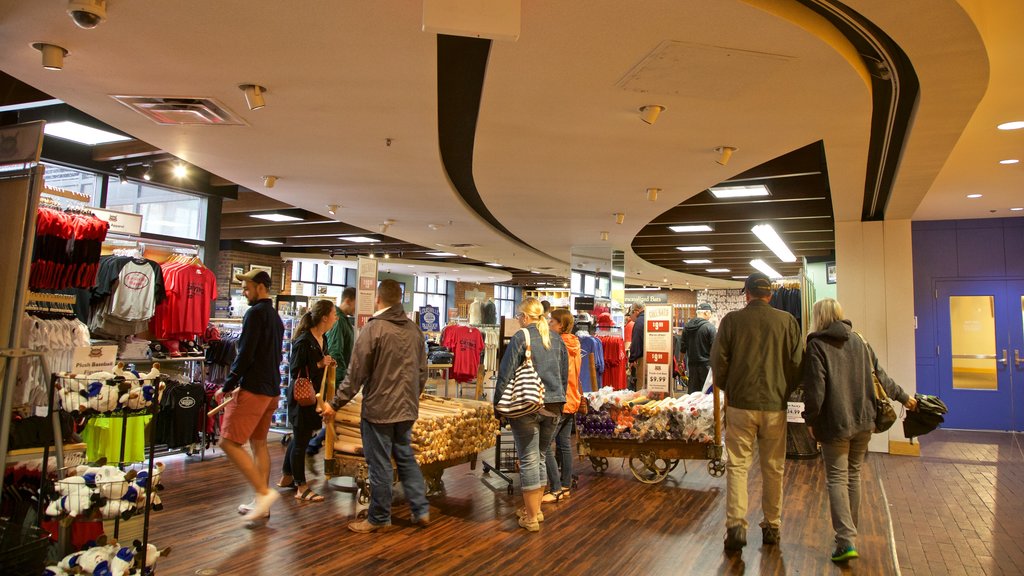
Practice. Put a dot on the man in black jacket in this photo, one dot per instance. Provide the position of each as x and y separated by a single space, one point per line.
254 385
698 335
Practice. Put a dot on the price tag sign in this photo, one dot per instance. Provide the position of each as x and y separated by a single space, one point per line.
794 412
658 348
658 325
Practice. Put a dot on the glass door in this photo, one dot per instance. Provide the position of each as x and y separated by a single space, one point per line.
974 326
1015 296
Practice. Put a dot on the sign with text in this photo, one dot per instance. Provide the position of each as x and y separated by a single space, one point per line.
795 412
584 303
646 297
89 359
366 291
430 318
120 222
658 348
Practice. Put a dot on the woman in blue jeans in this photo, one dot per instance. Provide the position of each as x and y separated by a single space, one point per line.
840 412
533 433
560 457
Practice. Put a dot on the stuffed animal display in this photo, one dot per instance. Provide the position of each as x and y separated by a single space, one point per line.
107 492
109 560
110 391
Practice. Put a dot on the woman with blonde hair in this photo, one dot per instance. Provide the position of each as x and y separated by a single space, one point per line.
533 432
839 410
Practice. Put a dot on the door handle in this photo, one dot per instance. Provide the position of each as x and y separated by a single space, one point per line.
1005 359
1017 360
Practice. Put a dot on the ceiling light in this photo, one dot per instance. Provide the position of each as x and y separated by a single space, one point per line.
276 217
440 254
358 239
180 171
1016 209
534 272
264 242
121 176
618 274
619 217
332 209
650 113
147 175
387 255
652 194
717 270
81 133
739 191
53 55
495 264
269 181
604 236
739 277
697 261
691 228
693 248
1015 125
253 95
764 267
724 154
455 269
773 241
1009 161
974 195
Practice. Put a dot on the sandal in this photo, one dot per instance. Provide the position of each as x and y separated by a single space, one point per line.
309 496
290 484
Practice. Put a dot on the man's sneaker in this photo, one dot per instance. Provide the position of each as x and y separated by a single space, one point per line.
844 553
365 526
735 538
770 535
422 521
521 513
261 506
246 508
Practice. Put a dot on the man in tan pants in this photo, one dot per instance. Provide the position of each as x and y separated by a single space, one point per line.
756 360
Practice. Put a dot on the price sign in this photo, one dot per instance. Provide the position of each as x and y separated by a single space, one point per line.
794 412
658 348
658 325
657 358
366 294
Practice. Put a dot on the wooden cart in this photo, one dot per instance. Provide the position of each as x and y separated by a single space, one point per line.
354 466
651 461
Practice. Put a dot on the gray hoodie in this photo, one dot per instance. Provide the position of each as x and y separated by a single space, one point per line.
838 389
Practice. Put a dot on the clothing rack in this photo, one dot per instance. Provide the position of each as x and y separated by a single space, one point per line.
50 298
67 194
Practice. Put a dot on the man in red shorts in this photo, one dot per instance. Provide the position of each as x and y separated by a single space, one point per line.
254 385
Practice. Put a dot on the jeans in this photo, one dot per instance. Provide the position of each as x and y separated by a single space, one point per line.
381 442
532 434
698 374
314 446
560 455
294 464
843 459
768 429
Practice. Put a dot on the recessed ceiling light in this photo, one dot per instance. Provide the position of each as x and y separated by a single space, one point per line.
495 264
739 277
455 269
441 254
276 217
1016 209
773 241
718 270
264 242
693 248
697 261
1015 125
764 267
179 171
974 195
81 133
691 228
358 239
740 191
1009 161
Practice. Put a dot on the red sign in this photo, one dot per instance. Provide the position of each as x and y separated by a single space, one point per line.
658 325
657 358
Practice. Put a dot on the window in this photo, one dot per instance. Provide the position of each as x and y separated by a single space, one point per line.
505 301
318 279
430 291
74 180
164 212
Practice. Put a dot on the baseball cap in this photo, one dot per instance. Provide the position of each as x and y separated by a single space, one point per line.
605 320
758 281
705 306
255 275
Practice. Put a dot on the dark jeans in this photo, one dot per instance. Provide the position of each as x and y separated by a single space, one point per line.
560 454
381 442
295 457
698 374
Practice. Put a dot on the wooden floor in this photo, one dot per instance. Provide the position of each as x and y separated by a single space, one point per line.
613 524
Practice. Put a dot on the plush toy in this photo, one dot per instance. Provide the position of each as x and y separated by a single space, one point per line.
117 508
55 571
142 477
69 563
151 555
94 559
122 561
100 396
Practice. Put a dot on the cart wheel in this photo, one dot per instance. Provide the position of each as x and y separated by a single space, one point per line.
510 489
672 465
363 496
600 464
648 468
716 467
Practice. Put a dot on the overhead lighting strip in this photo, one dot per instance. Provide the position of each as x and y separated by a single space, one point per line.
774 242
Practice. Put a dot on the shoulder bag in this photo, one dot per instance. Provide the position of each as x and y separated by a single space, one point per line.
885 414
303 391
524 394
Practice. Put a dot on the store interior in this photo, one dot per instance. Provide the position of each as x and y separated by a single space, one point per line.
468 155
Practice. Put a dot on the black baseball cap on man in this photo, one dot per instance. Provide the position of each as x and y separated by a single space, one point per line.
758 284
705 306
256 276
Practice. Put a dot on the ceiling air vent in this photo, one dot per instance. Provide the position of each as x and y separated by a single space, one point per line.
181 111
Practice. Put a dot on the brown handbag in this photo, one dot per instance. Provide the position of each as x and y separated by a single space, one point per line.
303 391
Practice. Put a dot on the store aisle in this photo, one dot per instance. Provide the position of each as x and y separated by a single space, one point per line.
613 524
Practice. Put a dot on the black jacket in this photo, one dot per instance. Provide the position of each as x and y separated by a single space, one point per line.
838 389
636 346
257 364
698 336
306 354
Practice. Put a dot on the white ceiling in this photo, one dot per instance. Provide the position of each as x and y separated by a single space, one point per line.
559 146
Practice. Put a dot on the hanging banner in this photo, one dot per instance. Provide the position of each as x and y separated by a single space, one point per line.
366 291
430 319
658 348
646 297
89 359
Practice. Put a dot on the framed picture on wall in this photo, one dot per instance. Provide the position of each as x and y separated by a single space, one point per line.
830 272
235 271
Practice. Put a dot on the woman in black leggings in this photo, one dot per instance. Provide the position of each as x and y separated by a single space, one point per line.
307 360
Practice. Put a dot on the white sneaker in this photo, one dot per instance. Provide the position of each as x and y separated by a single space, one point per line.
261 506
246 508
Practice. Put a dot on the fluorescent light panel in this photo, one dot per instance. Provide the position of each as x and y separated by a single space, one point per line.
264 242
275 217
691 228
697 261
693 248
495 264
358 239
718 270
773 241
81 133
764 267
440 254
618 274
754 191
